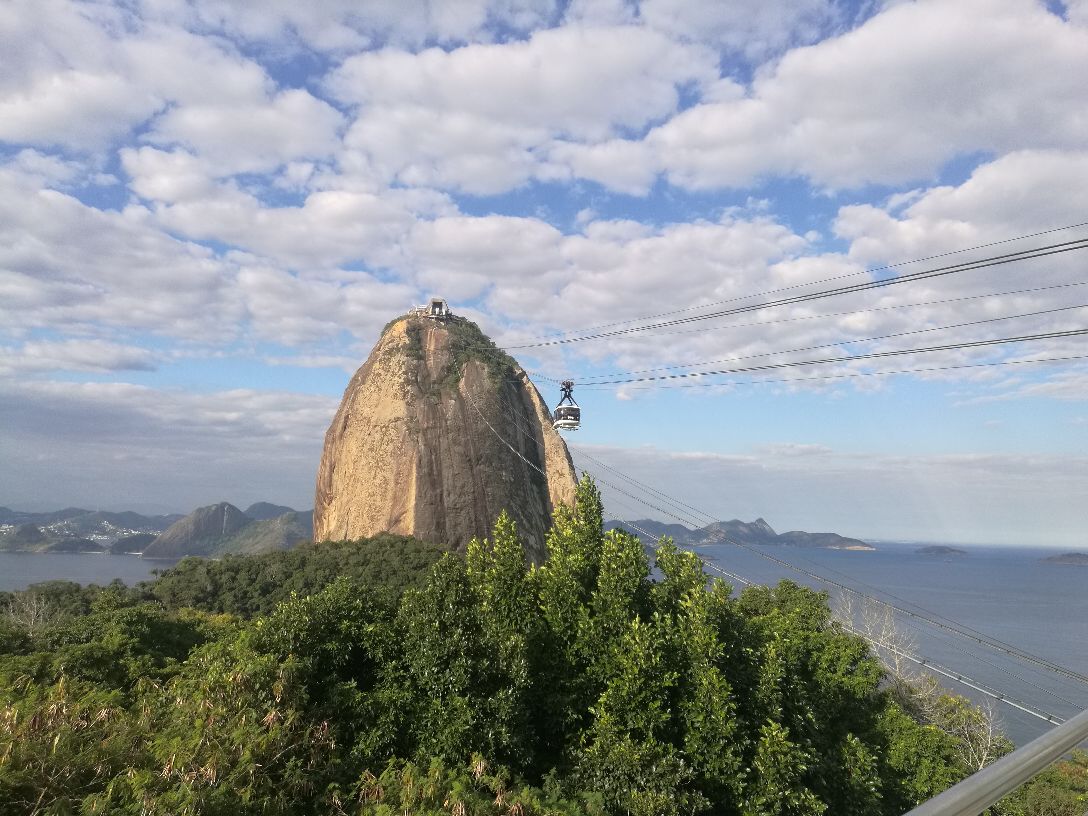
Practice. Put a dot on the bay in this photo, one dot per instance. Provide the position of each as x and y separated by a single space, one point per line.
20 570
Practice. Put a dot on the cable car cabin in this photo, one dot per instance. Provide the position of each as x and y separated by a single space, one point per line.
568 416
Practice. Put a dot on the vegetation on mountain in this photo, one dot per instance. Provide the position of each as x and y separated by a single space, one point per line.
455 685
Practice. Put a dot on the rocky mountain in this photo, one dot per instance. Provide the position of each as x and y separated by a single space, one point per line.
438 432
199 533
750 532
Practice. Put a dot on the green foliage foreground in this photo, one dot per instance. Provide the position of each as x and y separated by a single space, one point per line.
578 687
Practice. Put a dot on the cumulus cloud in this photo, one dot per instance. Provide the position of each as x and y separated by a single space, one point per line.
893 100
755 30
474 118
125 445
75 355
347 25
64 264
256 136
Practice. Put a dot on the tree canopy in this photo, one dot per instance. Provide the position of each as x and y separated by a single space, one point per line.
384 677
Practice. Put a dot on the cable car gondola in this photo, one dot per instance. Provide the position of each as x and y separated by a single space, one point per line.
568 416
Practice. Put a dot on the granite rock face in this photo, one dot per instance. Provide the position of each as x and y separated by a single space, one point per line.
437 433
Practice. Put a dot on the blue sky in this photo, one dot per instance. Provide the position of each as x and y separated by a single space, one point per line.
209 210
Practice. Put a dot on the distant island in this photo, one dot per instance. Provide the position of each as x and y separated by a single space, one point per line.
940 550
1077 559
743 532
215 530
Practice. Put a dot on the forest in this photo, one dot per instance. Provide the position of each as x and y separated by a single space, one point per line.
386 676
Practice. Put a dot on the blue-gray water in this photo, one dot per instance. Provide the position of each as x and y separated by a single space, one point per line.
1005 593
20 570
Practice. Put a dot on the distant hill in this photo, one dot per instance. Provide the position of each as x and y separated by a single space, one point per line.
280 533
213 530
222 529
262 511
199 533
1077 559
744 532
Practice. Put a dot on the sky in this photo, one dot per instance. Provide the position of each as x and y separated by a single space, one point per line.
209 210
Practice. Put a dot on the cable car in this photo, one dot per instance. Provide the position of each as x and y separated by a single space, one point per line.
568 416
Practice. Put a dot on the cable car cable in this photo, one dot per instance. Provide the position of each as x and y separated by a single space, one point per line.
825 280
959 677
589 380
852 375
997 260
1055 335
930 618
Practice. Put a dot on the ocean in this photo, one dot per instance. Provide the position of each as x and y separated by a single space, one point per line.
20 570
1003 592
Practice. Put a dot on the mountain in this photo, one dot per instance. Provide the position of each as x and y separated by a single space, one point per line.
199 533
677 532
438 432
743 532
280 533
751 532
262 511
75 522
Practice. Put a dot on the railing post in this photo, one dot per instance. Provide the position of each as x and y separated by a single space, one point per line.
980 790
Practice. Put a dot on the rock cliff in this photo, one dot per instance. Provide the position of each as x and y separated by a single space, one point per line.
437 433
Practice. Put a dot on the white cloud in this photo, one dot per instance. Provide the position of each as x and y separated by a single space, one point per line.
292 310
75 355
332 227
753 29
463 257
474 117
73 109
623 165
124 445
254 136
66 265
340 25
893 100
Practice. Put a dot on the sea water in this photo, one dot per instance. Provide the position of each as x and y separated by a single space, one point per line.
20 570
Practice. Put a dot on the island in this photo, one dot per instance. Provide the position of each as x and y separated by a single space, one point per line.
941 551
1077 559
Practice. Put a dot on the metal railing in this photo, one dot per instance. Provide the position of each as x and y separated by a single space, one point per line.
980 790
